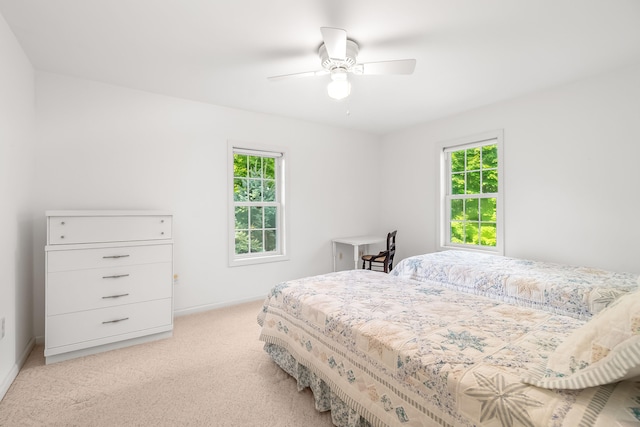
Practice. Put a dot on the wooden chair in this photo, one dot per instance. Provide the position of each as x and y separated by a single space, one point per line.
384 259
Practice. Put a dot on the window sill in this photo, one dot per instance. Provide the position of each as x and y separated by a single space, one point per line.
495 251
238 262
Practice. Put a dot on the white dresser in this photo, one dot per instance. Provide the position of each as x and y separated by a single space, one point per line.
109 277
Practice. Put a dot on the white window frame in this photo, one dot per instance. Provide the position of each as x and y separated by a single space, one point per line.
280 154
444 185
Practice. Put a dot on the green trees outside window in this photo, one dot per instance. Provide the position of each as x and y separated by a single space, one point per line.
473 195
255 203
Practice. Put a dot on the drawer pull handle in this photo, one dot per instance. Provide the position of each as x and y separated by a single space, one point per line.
115 296
115 321
117 276
114 256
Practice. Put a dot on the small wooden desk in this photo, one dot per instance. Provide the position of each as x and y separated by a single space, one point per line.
356 242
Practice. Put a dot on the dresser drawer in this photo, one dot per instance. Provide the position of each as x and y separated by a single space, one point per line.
78 259
64 230
77 290
85 326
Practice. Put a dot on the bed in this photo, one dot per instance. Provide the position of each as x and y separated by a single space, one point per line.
459 338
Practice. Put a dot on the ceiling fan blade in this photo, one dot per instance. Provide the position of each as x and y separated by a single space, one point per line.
335 41
400 66
297 75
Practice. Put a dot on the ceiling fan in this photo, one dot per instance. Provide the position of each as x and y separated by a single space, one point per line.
338 56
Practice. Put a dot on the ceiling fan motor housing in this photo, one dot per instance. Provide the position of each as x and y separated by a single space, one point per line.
345 63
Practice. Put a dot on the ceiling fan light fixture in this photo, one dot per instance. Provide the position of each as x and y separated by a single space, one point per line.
339 87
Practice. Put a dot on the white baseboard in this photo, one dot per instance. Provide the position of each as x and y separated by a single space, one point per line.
207 307
13 373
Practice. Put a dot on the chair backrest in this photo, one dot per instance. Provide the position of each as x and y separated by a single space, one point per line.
391 247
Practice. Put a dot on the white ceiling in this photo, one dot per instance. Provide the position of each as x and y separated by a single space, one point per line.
469 52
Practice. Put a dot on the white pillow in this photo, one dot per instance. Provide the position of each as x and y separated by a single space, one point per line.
604 350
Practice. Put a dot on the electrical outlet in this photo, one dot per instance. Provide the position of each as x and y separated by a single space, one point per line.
2 322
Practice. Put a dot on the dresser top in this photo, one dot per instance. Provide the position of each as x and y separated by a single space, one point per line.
108 213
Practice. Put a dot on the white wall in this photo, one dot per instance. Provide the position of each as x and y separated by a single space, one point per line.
17 121
571 173
107 147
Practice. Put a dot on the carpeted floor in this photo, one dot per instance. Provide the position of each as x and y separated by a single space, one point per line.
212 372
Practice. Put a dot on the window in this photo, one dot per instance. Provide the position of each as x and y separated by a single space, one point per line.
471 194
257 205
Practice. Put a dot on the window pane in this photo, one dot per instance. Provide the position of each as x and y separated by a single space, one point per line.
488 233
255 190
472 230
240 165
258 190
270 240
242 217
490 181
457 161
242 242
457 209
471 209
457 183
473 182
488 209
269 190
240 190
457 232
256 217
472 193
490 156
256 241
255 167
473 159
270 217
269 165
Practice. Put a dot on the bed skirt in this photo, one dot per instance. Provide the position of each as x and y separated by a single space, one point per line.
325 399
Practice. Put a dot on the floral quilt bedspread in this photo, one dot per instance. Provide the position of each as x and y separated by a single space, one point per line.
574 291
409 353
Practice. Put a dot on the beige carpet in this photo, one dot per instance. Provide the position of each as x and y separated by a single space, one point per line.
213 372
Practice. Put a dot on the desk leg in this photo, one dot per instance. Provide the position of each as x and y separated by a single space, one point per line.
334 256
355 256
